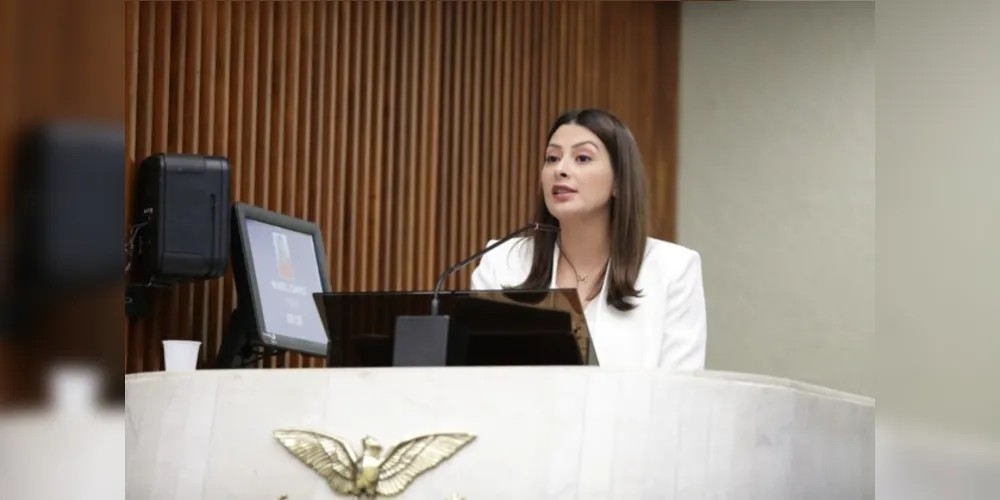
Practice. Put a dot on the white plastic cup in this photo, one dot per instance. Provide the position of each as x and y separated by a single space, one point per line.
180 355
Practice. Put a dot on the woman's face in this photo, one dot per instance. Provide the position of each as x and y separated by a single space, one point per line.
577 179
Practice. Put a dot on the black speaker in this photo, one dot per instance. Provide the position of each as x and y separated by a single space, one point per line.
181 223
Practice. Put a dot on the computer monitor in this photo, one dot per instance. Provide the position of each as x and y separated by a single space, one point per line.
278 264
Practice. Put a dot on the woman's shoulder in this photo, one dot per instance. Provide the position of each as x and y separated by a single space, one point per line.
522 242
667 257
510 253
660 248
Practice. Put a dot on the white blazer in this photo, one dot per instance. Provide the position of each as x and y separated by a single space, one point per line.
666 330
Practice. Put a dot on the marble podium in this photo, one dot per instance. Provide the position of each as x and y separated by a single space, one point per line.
542 433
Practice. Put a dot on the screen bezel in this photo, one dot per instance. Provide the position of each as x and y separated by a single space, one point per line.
242 212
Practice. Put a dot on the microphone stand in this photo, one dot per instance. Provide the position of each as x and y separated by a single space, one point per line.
531 226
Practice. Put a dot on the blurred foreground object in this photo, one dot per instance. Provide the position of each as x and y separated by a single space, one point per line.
66 216
61 217
62 235
72 450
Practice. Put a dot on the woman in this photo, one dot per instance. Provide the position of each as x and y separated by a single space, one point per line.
642 297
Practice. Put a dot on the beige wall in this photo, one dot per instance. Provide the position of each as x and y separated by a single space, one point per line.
777 185
778 191
938 286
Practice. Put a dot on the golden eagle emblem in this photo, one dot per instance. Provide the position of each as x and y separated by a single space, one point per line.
370 475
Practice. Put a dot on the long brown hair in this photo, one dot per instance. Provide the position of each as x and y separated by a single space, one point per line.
627 212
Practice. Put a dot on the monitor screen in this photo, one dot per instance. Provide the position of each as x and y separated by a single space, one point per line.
284 263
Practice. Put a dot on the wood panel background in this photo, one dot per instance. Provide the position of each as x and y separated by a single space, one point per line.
411 132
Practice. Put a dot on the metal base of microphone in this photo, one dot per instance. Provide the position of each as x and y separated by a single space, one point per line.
428 341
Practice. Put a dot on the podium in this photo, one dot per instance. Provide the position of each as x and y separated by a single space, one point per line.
546 433
475 328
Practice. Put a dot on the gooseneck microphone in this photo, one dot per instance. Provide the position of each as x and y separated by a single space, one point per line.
531 226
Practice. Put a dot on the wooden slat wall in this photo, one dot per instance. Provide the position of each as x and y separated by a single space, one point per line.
412 132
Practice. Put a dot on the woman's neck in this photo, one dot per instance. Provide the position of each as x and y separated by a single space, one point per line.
585 243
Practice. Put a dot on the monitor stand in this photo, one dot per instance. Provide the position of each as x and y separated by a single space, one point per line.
236 350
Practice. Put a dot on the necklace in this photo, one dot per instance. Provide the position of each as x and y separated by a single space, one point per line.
580 278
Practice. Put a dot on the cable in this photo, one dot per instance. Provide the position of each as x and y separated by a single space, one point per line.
261 355
130 246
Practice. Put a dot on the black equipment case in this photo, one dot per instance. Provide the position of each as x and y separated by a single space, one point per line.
181 223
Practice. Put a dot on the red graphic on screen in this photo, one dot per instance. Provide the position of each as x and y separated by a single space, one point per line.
285 267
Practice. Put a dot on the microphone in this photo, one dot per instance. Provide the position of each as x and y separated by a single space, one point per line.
531 226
